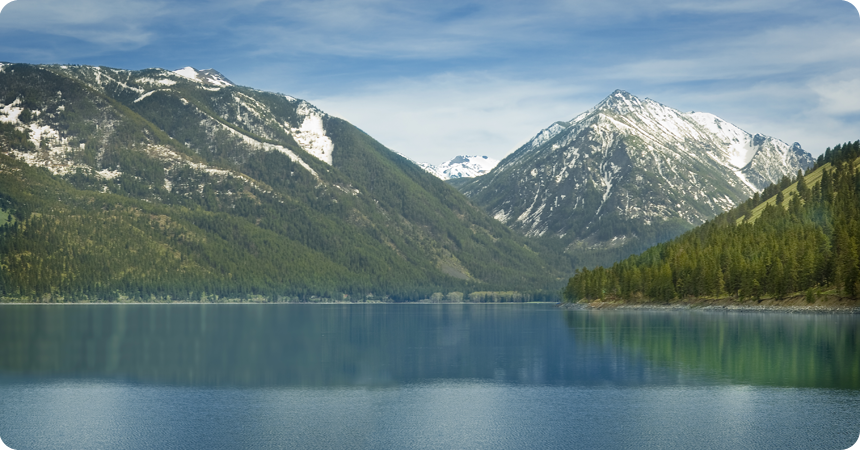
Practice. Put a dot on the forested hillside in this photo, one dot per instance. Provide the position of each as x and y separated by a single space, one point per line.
149 184
799 237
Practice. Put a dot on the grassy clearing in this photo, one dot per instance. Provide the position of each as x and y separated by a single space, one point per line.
5 217
811 179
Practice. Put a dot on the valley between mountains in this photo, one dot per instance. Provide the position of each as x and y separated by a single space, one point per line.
158 185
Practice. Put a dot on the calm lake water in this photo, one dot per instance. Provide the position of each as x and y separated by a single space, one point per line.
424 376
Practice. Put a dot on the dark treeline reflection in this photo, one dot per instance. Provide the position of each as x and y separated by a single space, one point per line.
383 345
796 350
303 345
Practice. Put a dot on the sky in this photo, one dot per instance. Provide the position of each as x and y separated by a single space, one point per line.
436 79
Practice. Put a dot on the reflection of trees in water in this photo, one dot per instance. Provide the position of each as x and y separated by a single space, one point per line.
270 345
818 350
379 345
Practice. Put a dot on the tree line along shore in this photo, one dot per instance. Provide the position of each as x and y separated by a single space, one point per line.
797 241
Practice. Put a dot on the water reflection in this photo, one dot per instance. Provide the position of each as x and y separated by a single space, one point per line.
776 349
393 345
282 345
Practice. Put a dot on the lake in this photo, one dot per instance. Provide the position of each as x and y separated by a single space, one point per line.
423 376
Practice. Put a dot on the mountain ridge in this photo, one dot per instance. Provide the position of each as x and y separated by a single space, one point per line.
227 189
628 173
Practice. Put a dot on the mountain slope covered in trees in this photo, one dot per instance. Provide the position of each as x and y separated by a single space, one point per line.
155 183
800 237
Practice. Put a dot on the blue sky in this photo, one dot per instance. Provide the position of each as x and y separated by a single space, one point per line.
434 79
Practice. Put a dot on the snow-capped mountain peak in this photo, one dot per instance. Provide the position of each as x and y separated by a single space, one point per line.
461 167
618 102
207 76
659 123
621 102
630 169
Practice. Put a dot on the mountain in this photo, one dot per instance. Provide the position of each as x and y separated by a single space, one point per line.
156 183
461 167
795 244
629 173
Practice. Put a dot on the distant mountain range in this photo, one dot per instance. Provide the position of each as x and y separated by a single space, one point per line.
627 174
159 183
461 167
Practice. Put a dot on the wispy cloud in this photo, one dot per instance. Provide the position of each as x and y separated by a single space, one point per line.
839 93
768 52
443 77
388 29
121 24
434 118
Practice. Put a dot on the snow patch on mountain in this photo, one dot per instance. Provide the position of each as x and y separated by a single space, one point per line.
9 113
162 81
147 95
104 77
40 132
310 135
207 76
253 143
737 143
545 135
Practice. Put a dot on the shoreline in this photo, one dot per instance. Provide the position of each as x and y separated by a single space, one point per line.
727 306
369 302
